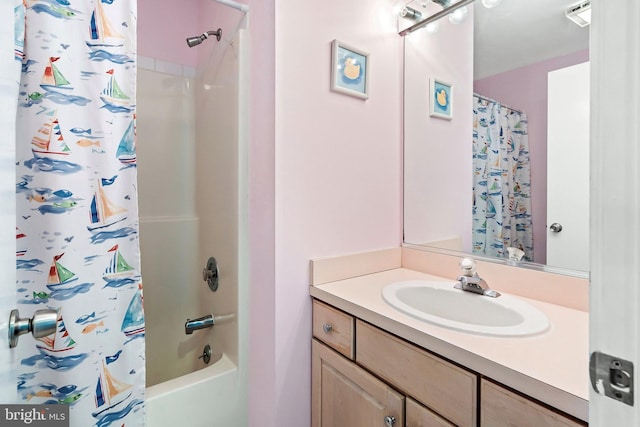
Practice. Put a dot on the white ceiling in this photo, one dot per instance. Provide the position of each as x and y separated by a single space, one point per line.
522 32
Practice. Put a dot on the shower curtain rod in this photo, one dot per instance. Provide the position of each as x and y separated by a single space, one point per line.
238 6
486 98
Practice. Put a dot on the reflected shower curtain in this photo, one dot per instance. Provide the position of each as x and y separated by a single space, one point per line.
501 180
77 216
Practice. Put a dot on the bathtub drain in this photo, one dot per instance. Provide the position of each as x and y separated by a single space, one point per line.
206 354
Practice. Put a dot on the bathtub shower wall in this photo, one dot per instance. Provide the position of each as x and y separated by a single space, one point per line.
217 184
168 219
192 160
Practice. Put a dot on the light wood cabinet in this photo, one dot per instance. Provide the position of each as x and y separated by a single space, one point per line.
362 374
334 328
419 416
445 388
501 407
345 395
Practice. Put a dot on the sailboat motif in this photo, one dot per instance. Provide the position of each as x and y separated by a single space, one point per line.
133 322
58 342
103 213
21 248
49 141
112 94
118 266
127 149
101 32
53 79
491 209
110 392
59 276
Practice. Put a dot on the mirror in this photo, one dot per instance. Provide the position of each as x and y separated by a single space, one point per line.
518 40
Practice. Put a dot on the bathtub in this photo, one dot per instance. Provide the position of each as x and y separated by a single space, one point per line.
204 215
210 397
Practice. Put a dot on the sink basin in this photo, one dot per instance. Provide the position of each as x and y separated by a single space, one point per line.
439 303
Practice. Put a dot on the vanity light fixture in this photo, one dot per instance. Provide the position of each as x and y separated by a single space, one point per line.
450 7
580 13
457 15
410 13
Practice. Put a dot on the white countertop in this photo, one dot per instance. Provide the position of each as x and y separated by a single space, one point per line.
551 367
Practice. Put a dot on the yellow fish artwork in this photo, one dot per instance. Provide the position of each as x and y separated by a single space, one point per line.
90 328
88 143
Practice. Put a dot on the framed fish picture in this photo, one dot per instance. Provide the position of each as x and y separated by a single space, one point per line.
349 70
440 99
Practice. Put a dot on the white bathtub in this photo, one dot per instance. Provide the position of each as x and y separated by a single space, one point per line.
177 240
209 397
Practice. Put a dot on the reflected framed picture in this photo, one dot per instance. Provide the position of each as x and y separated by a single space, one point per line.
349 70
440 99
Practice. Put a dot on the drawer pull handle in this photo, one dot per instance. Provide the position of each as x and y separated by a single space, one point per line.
327 328
389 421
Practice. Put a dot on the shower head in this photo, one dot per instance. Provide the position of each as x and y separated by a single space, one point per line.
195 41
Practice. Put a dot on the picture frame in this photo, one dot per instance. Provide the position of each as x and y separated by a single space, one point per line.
440 99
349 70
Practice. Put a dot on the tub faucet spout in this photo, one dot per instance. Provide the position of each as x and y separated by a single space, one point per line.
199 323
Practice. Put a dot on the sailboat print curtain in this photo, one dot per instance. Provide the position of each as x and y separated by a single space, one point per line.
501 180
77 217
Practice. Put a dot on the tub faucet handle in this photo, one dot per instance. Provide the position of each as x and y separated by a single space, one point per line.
211 273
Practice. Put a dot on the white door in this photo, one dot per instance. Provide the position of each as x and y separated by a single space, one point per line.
8 90
568 168
614 327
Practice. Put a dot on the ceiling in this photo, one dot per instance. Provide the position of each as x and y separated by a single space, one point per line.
522 32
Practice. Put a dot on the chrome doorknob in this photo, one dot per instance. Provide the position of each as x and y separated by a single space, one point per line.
555 227
42 323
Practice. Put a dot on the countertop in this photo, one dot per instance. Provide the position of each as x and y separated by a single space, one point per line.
551 367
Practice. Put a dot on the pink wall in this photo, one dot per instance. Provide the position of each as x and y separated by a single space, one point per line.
262 232
337 166
525 89
330 185
167 42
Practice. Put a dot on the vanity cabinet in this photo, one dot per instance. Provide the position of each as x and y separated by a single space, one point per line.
345 395
501 407
419 416
364 376
443 387
334 327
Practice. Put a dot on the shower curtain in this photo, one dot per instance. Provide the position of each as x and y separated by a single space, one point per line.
501 180
77 216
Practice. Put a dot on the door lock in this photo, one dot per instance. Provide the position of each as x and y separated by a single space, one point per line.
612 376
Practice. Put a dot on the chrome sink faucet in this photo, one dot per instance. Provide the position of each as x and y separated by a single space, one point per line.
470 281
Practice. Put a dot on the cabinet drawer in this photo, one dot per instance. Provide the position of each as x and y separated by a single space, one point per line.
443 387
419 416
334 328
501 407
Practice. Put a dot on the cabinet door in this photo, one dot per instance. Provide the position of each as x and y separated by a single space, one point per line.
419 416
345 395
500 407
